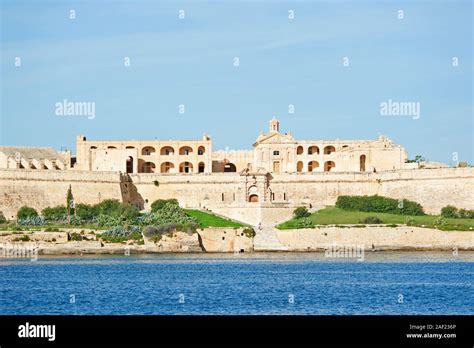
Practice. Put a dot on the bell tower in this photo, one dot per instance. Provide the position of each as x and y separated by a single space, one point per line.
274 125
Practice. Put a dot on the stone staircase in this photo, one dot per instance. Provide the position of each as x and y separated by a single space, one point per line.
266 240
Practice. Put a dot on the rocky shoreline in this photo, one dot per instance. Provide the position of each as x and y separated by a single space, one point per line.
229 240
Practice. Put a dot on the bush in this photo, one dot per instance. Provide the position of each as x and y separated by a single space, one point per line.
86 212
379 204
449 212
372 220
54 214
26 212
452 212
150 231
301 212
249 232
110 207
75 237
160 204
129 212
2 218
120 234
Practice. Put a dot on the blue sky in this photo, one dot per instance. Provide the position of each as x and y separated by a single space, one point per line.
190 61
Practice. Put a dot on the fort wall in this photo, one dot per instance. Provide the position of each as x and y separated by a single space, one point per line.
225 193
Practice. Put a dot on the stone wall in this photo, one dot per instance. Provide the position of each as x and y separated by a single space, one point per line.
379 238
43 188
225 240
225 193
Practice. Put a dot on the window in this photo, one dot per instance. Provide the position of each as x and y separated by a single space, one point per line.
276 153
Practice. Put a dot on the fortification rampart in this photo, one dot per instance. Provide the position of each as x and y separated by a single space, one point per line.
224 192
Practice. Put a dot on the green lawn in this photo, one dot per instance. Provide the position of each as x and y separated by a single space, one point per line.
336 216
210 220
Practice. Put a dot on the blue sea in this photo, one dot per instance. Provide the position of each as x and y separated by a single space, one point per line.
260 283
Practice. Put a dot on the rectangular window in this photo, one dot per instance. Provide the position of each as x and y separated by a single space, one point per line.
276 153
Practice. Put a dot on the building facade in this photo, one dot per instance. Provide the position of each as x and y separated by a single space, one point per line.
273 152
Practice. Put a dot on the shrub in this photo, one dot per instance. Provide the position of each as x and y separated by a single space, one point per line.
26 212
452 212
51 229
120 234
379 204
129 212
86 212
449 212
111 207
160 204
24 238
439 221
54 214
75 237
371 220
150 231
301 212
249 232
2 218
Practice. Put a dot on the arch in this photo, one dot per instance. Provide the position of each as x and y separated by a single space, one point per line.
328 165
148 167
186 167
111 147
129 164
148 151
167 151
329 149
313 150
299 166
253 198
362 163
185 150
166 167
129 147
201 150
230 167
312 165
201 167
93 148
299 150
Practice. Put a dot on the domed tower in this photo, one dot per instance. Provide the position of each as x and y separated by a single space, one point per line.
274 125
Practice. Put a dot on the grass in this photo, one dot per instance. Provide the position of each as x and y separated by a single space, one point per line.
335 216
210 220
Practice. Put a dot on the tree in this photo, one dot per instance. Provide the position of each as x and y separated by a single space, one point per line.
70 204
419 158
301 212
26 212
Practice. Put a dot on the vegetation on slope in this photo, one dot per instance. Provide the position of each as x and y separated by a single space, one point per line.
337 216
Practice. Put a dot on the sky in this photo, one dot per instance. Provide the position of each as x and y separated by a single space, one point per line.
335 62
